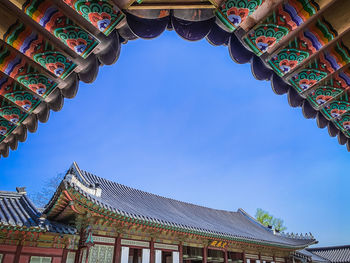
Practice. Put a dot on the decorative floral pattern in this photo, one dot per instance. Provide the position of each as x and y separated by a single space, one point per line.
54 21
6 128
287 59
17 68
233 12
304 45
285 18
307 78
14 92
104 15
10 112
320 96
335 109
343 123
41 51
264 37
328 62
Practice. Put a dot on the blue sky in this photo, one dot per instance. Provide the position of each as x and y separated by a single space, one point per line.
182 120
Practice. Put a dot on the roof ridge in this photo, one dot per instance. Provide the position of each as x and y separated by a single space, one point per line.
11 193
157 195
254 220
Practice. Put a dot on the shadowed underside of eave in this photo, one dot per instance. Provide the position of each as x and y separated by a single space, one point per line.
48 46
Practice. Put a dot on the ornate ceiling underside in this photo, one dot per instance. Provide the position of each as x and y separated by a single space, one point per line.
48 46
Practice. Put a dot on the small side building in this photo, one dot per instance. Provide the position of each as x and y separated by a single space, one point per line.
304 256
334 254
27 236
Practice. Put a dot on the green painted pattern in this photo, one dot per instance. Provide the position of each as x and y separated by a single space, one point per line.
233 12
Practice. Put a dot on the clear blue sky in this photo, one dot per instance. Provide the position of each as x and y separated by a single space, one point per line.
182 120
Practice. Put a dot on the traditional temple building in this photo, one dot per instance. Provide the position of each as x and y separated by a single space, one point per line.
90 219
48 46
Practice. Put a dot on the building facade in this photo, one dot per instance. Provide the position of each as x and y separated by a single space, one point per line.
90 219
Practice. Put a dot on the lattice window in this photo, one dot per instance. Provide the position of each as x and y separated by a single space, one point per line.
34 259
83 255
70 257
101 254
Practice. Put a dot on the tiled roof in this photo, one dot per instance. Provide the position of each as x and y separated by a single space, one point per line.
148 207
336 254
301 46
312 257
18 212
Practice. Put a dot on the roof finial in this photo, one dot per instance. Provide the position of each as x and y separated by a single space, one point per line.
21 190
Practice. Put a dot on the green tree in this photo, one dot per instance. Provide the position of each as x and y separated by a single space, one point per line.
269 220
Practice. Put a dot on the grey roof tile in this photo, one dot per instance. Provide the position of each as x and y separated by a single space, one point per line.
336 254
16 210
313 257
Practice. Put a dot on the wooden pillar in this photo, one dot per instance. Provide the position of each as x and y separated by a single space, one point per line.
117 249
205 254
64 255
18 252
151 255
244 258
180 253
77 255
225 256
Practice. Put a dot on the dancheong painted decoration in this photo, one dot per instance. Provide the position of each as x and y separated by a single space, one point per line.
48 46
93 220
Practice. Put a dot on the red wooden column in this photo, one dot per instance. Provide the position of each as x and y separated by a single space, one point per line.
151 253
117 249
64 255
180 253
244 258
76 258
18 252
225 256
205 254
